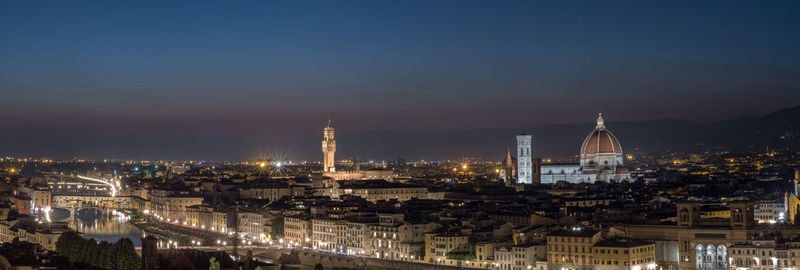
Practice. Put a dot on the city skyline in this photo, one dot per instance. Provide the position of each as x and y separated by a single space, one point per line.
392 135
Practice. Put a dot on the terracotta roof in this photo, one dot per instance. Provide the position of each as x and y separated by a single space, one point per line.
601 141
622 243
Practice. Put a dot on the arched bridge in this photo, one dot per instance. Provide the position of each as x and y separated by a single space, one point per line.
77 203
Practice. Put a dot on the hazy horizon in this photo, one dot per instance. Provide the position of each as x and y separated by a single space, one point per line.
210 79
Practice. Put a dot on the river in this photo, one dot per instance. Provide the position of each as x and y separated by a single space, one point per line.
92 225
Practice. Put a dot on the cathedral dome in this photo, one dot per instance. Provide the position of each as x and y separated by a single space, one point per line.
600 141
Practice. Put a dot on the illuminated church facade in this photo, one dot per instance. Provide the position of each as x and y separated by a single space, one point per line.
601 159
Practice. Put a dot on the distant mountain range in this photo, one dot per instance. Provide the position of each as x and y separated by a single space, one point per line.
780 129
777 130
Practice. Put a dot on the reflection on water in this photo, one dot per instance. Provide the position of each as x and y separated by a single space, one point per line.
93 225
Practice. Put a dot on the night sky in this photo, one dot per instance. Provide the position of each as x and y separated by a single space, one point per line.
192 79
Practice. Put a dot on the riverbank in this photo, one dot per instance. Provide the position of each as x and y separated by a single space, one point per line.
307 259
141 223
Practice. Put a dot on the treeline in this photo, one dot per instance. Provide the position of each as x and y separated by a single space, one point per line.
460 256
118 256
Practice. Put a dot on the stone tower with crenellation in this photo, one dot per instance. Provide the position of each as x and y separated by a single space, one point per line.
328 149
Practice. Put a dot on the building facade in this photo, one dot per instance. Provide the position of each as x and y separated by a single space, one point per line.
324 233
251 225
572 249
439 245
377 190
357 236
297 230
763 254
703 243
521 257
42 199
624 254
770 212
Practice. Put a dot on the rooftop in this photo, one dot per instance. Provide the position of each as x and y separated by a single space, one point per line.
574 233
357 184
622 243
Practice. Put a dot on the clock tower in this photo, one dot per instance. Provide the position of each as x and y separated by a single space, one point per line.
328 149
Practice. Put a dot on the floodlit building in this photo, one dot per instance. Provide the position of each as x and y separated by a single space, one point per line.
377 190
761 254
770 212
524 165
439 245
297 230
572 249
329 162
324 233
601 159
328 149
624 254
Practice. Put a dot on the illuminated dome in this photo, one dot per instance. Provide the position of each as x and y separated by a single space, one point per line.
600 141
601 155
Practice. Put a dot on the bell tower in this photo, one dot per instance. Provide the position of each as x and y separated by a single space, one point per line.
328 149
524 165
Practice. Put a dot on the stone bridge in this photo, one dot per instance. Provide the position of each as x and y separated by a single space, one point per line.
77 203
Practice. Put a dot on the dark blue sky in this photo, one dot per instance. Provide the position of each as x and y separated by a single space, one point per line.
90 73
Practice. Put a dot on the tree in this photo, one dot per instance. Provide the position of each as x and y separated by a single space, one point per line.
90 255
105 260
68 244
125 255
277 228
214 264
460 256
82 254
